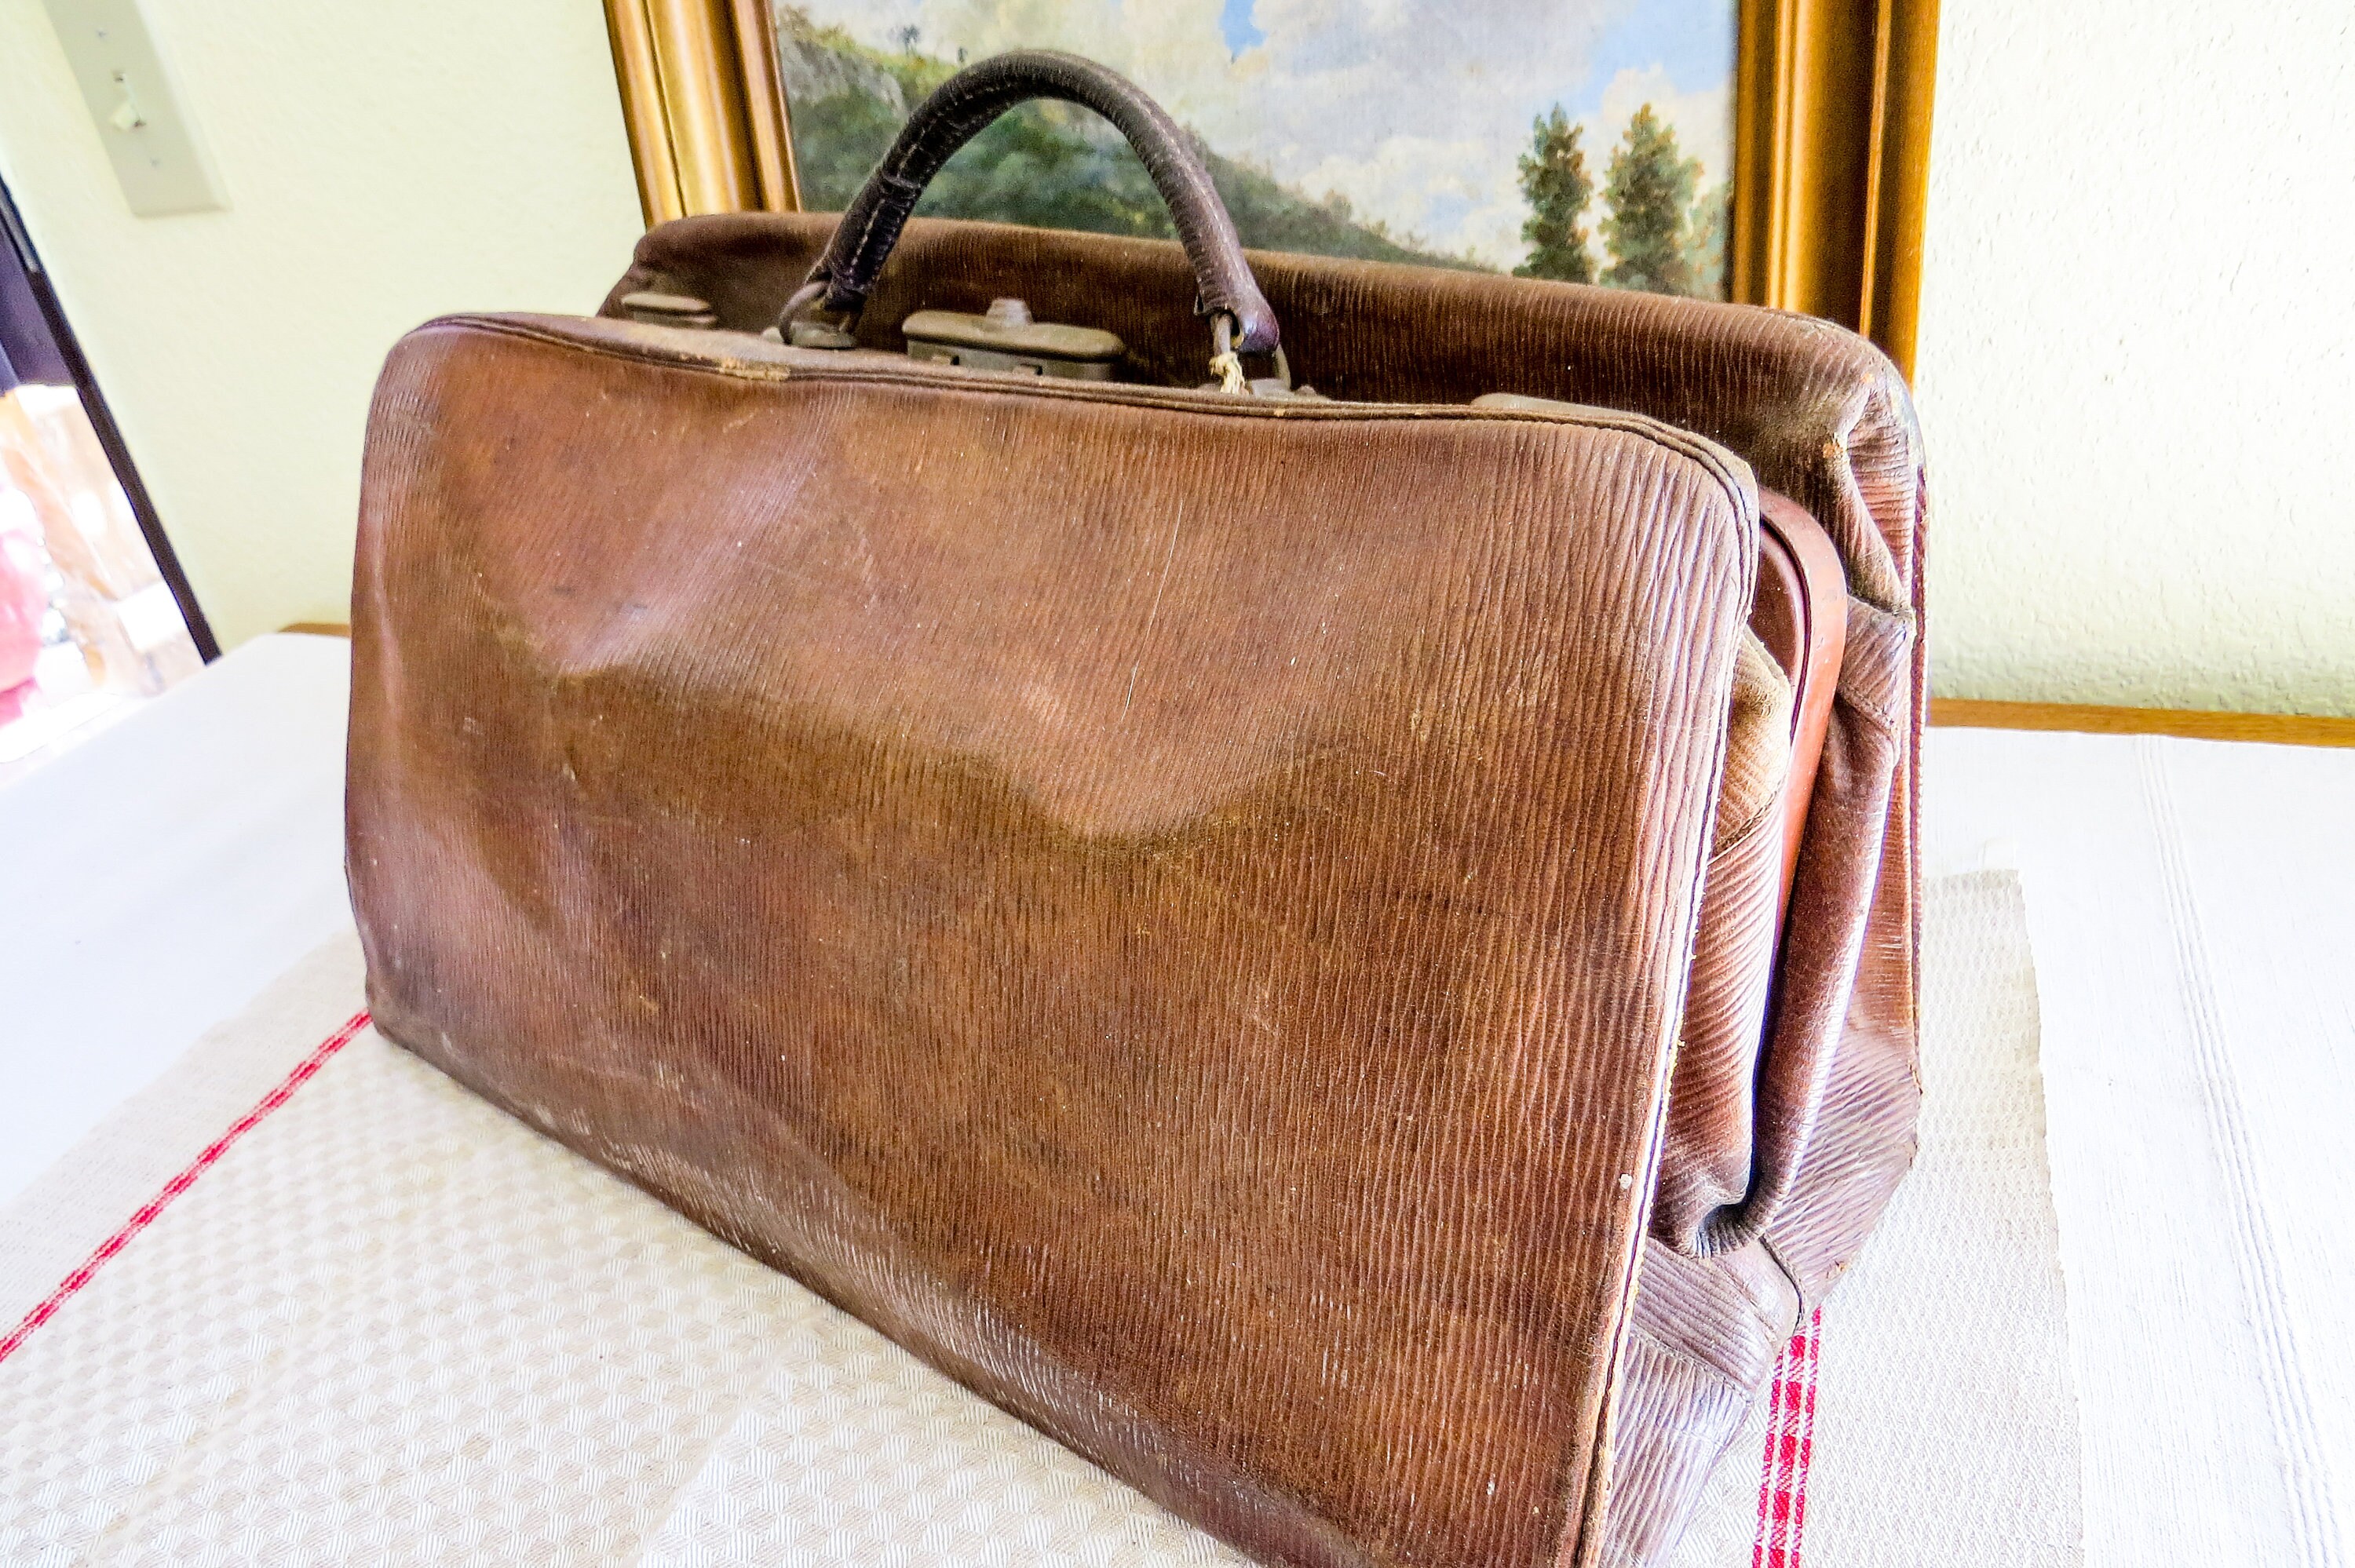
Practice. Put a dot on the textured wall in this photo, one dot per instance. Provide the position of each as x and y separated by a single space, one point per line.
385 162
2136 367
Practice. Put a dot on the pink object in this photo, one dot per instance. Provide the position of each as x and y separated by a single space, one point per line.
23 602
1790 1449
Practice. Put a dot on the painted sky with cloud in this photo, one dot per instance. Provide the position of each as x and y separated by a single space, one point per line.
1414 110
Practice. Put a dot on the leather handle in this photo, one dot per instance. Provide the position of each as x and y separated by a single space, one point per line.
962 106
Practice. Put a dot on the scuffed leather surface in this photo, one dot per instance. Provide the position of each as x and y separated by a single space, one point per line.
1174 907
1705 1163
1819 415
1705 1336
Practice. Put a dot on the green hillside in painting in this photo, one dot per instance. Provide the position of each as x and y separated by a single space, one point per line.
1052 165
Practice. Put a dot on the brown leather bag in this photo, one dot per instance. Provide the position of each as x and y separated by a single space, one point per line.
1241 927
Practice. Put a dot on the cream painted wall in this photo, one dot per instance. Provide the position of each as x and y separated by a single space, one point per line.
2137 364
385 162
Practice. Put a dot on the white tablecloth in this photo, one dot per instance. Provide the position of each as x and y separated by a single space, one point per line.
2192 908
155 877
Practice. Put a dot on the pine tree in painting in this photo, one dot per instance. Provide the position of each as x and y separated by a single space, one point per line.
1555 180
1705 233
1648 190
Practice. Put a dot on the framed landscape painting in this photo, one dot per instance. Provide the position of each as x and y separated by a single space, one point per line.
1583 140
1771 152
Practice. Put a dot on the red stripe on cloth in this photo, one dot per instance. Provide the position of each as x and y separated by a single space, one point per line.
1769 1472
180 1183
1790 1451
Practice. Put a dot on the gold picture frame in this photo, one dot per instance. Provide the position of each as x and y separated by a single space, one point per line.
1830 167
1831 163
704 107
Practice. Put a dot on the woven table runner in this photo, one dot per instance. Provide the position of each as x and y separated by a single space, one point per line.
1926 1413
304 1300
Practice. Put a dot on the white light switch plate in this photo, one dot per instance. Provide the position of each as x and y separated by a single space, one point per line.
159 158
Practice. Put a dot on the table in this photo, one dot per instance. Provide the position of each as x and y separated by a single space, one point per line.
158 875
2192 930
2191 910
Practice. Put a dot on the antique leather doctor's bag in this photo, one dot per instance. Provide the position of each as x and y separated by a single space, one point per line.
1348 955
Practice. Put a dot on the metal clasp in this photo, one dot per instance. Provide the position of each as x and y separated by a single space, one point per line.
842 333
1227 366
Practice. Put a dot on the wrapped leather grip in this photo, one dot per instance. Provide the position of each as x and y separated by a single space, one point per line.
965 104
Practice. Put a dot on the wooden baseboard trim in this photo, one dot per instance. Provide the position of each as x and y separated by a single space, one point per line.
318 627
2277 729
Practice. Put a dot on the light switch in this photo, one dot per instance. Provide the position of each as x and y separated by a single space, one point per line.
159 159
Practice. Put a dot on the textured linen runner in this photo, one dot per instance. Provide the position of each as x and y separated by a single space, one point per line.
2187 902
307 1301
1926 1414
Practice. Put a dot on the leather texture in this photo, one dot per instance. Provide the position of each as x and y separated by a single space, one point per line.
1151 898
1824 1124
1801 617
1159 900
962 106
1819 415
1784 676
